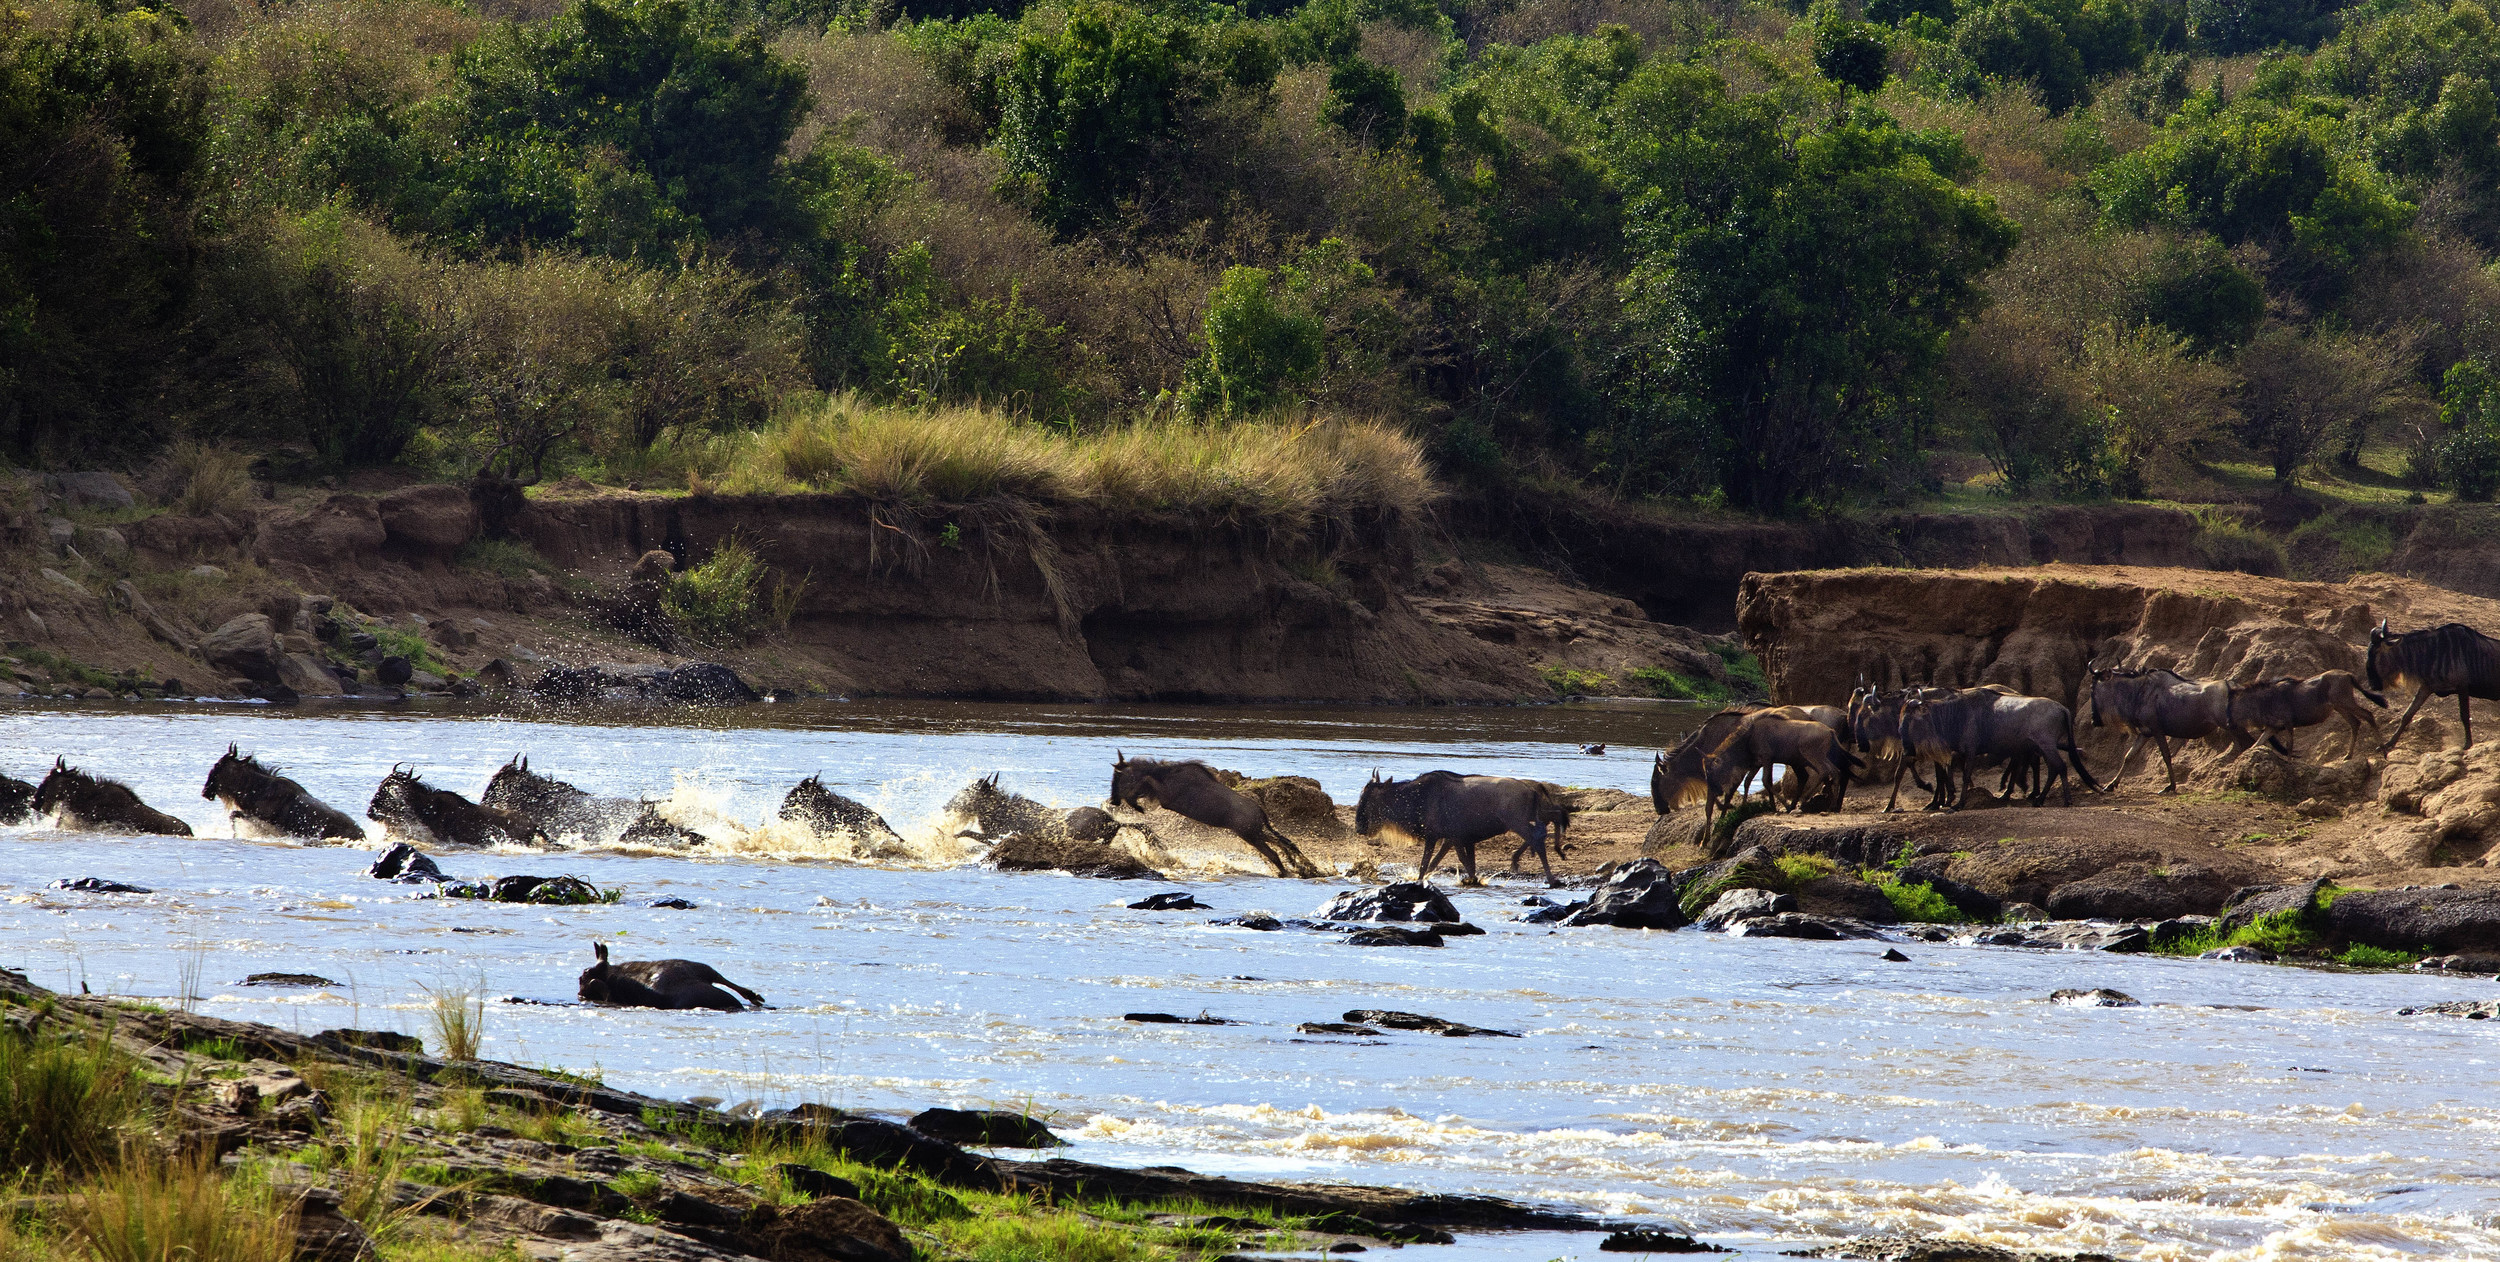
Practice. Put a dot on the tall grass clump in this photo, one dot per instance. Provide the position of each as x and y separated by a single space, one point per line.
185 1210
723 598
197 478
459 1022
64 1107
1286 473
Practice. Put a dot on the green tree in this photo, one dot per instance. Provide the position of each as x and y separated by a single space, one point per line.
1850 53
1258 350
2256 173
2469 416
2196 291
1795 280
2013 40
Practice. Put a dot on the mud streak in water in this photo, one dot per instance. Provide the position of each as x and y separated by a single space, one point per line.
1763 1092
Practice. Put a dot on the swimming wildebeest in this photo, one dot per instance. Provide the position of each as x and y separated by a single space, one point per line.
562 811
263 803
1813 753
810 803
1190 789
84 803
1675 776
1445 810
675 984
17 800
995 812
2162 705
2281 707
1984 723
2453 660
408 806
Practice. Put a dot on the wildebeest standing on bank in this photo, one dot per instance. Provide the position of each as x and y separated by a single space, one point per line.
1813 753
2162 705
1675 776
1443 809
561 810
672 984
1190 789
2453 660
810 803
260 800
17 800
2281 707
409 806
1984 723
85 803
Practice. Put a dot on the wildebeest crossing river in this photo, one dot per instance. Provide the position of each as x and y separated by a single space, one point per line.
1762 1092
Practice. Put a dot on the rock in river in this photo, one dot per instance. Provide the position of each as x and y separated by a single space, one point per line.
98 885
2097 997
1402 901
1736 905
1417 1021
1639 895
985 1128
2442 920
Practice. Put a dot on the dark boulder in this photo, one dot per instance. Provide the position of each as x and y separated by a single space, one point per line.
394 672
1653 1240
985 1128
1553 913
2097 997
1177 900
2479 962
830 1228
706 683
2244 905
673 904
1641 894
1391 935
1336 1027
2441 921
1166 1018
2142 891
815 1182
1742 904
1846 897
1254 920
377 1040
1790 924
1406 901
1891 956
405 864
286 979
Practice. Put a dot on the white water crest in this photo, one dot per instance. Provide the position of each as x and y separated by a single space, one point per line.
1765 1093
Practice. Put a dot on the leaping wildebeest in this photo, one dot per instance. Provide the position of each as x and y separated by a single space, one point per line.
1190 789
2161 705
85 803
1445 810
262 802
2281 707
2452 660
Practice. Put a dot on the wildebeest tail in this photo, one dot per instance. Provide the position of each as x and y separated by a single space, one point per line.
2376 699
2075 756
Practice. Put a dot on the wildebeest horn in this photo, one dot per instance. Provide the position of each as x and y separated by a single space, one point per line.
61 763
2380 629
601 948
1119 758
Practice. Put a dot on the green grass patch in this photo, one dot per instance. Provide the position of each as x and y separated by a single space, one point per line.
65 1107
1734 817
72 671
1667 685
2282 932
1798 869
1569 680
504 559
1744 670
397 641
2360 956
215 1048
1917 902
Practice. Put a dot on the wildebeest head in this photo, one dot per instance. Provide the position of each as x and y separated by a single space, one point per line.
227 776
596 980
1129 780
391 799
60 785
2382 642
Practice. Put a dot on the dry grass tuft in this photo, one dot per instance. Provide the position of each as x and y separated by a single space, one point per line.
153 1210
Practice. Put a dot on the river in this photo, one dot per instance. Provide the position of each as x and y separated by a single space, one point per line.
1763 1093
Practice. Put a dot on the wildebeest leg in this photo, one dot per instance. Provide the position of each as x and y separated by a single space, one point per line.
1423 866
2465 715
1467 862
1893 803
2166 767
2419 697
1268 852
2126 759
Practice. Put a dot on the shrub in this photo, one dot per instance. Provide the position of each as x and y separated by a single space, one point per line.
64 1106
722 599
1797 869
1919 903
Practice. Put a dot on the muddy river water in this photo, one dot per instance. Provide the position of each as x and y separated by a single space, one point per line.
1762 1093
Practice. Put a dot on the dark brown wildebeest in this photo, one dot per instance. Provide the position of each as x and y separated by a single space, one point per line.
2162 705
419 812
2453 660
994 812
263 803
1445 810
1980 724
673 984
84 803
1190 789
2281 707
1675 776
1813 753
809 802
17 800
570 814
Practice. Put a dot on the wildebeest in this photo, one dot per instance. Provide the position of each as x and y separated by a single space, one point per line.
564 812
263 803
2281 707
994 812
74 800
408 806
1812 751
2162 705
1443 809
674 984
17 800
1985 723
2453 660
810 803
1190 789
1675 776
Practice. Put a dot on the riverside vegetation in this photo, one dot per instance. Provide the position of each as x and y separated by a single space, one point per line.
2118 247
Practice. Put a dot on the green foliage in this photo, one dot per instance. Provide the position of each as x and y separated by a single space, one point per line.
2258 173
1725 826
2197 291
1798 869
2286 933
2469 415
1918 902
1667 685
1851 54
2013 40
722 599
1571 681
2359 955
1258 350
65 1106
